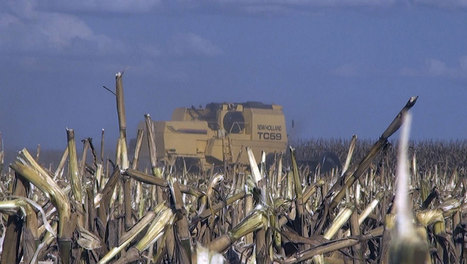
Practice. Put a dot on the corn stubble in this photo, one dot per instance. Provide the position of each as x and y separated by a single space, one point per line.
98 211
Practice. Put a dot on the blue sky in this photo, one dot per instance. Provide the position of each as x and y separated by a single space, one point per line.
338 67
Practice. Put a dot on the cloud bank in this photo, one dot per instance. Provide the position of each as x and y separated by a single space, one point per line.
24 28
438 68
35 28
105 6
231 6
34 32
190 43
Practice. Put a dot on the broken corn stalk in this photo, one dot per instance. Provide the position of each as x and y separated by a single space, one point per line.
27 167
255 220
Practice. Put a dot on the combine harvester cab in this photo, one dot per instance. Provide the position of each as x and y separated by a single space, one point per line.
221 132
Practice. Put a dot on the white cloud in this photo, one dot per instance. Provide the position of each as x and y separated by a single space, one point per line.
149 50
33 37
193 44
282 7
106 6
438 68
294 7
24 28
343 3
346 70
310 2
442 3
463 64
7 20
59 30
271 7
267 9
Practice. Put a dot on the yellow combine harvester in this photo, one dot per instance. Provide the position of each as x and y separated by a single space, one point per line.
220 132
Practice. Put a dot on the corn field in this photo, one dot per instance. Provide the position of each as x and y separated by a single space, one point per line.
88 209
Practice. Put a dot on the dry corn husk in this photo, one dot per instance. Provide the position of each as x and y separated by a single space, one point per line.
255 220
128 237
164 218
339 221
88 240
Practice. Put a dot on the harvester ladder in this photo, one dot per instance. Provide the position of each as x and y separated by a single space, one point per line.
227 149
